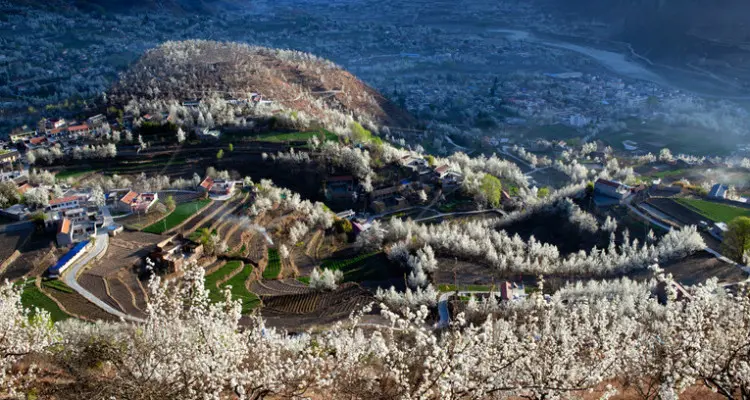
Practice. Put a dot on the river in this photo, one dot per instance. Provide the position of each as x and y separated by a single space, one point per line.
623 66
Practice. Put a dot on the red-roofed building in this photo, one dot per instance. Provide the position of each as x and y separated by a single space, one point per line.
133 201
442 170
24 188
36 141
65 232
64 203
55 132
206 185
81 129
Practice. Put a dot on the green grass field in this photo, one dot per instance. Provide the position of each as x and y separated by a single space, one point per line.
239 290
176 217
445 287
72 173
219 274
364 267
274 265
32 297
295 136
715 211
237 282
57 285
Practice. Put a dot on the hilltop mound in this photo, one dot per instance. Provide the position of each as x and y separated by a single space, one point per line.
291 80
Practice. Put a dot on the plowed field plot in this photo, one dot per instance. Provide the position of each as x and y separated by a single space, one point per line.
295 311
96 285
10 241
700 267
32 260
125 252
676 210
137 288
317 302
279 287
78 305
256 247
180 197
124 297
140 221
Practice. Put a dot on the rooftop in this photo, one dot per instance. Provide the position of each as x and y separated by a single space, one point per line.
65 226
129 197
62 200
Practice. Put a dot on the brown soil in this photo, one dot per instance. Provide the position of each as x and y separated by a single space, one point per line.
96 285
78 305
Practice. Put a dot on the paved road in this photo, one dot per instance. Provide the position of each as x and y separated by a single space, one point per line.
459 213
70 276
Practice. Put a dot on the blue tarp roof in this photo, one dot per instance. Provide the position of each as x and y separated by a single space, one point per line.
67 256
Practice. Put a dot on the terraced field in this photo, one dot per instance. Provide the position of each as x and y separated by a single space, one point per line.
78 305
124 297
239 289
200 218
279 287
32 298
274 265
137 288
220 222
220 275
235 274
256 247
176 217
336 304
97 286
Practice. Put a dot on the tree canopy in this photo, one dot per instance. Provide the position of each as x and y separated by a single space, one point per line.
492 189
737 238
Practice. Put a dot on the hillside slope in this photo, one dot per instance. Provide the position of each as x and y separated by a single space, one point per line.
292 80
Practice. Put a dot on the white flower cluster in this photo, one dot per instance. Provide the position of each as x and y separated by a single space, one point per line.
351 159
327 279
189 348
480 241
408 299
